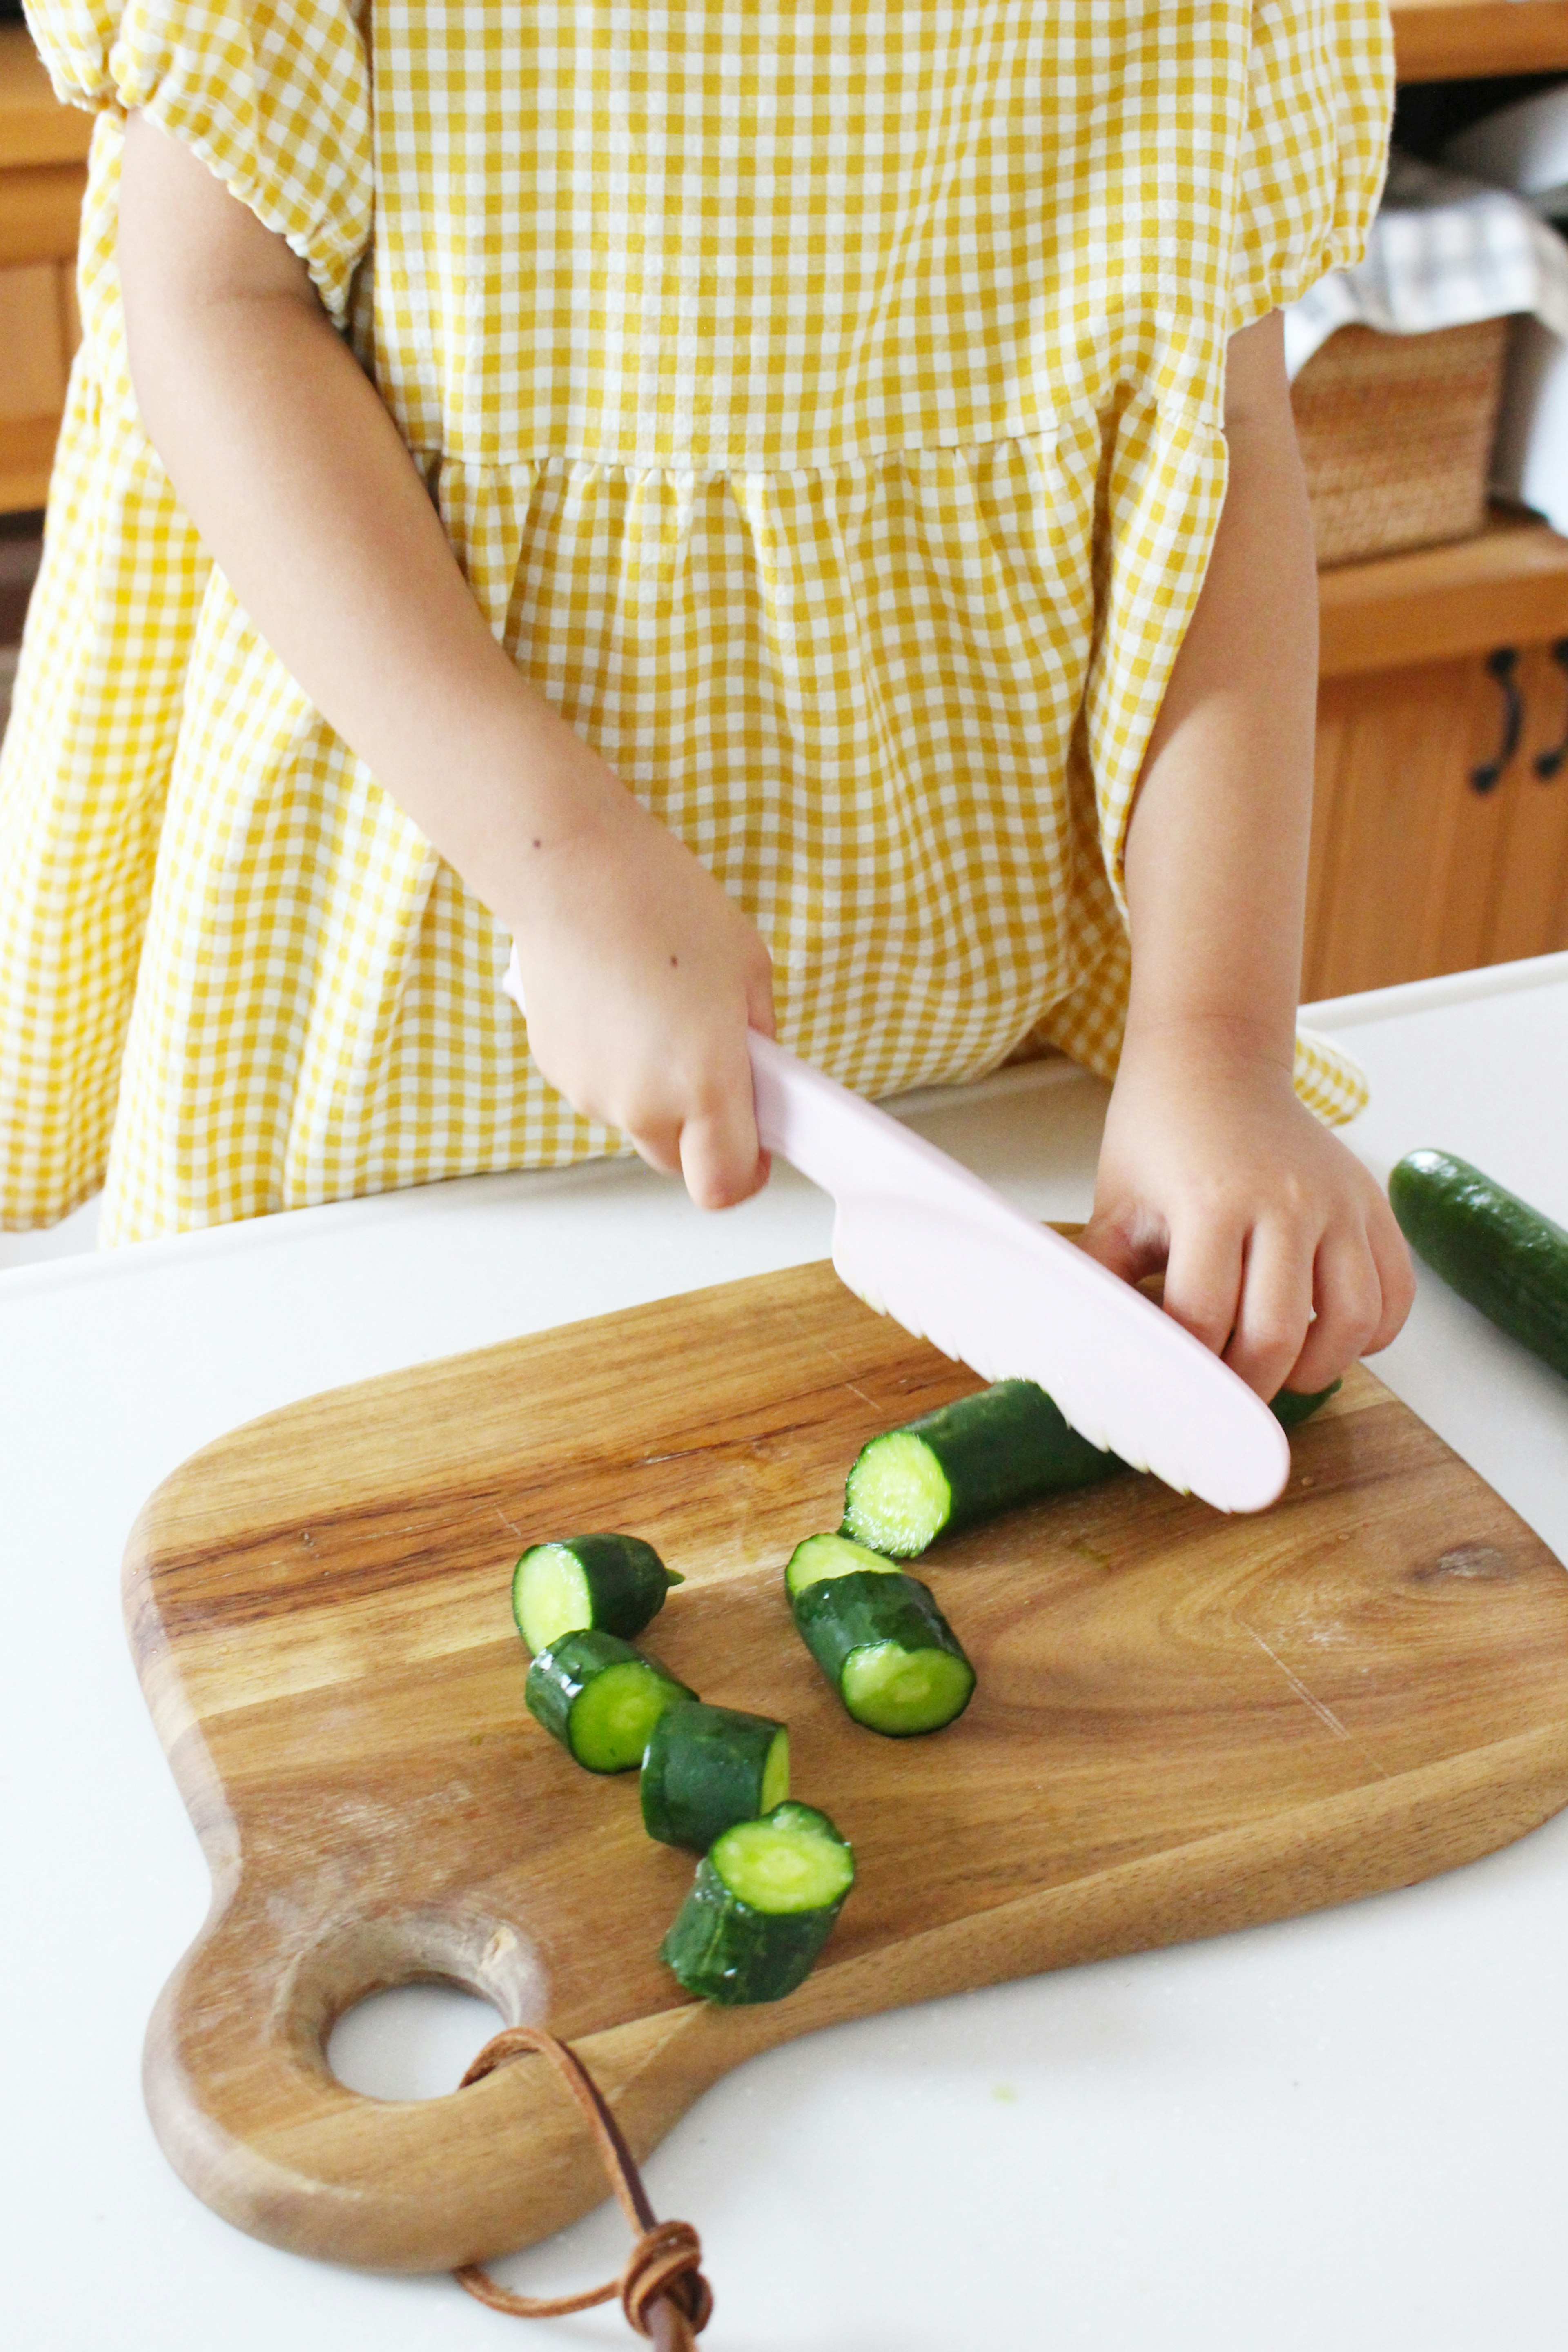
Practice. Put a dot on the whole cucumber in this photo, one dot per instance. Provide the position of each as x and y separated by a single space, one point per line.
1490 1246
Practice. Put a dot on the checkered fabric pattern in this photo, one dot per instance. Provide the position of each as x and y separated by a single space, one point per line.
824 400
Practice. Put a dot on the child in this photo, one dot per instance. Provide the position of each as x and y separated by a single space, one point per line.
720 493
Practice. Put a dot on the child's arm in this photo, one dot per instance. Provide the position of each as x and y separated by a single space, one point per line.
1210 1165
641 974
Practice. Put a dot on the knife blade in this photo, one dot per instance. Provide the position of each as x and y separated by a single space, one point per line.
921 1238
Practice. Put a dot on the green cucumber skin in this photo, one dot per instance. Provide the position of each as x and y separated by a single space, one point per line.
724 1951
703 1773
1009 1444
845 1614
1291 1407
627 1581
1006 1445
557 1678
1493 1248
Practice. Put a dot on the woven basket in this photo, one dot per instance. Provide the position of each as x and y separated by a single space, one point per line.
1396 437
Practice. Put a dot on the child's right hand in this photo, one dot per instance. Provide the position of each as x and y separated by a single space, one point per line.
642 977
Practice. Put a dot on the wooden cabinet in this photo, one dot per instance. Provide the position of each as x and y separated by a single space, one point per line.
1416 870
1440 818
42 176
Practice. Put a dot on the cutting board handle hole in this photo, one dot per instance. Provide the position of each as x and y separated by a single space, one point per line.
399 2003
411 2041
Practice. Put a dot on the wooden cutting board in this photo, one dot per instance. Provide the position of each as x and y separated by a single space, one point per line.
1183 1724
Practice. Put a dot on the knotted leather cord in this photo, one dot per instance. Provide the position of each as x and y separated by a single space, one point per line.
662 2290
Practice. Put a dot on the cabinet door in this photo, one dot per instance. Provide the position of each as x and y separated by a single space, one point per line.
1405 851
1530 899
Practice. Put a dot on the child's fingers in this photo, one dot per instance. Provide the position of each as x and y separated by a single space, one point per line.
658 1145
1131 1251
721 1157
760 1001
1348 1294
1395 1274
1202 1277
1276 1306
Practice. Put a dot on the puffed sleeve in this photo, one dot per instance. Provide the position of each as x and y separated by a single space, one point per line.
273 95
1321 95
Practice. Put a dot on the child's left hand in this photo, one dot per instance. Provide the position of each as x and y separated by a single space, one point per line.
1280 1250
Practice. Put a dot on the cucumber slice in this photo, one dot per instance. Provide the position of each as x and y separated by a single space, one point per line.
1490 1246
823 1556
966 1461
602 1583
707 1768
600 1698
761 1907
893 1690
888 1651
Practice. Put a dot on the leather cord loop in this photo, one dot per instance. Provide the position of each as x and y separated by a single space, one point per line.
662 2290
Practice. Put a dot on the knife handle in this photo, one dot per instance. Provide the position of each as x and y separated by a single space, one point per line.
846 1144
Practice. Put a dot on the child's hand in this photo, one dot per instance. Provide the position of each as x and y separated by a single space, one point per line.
642 977
1212 1168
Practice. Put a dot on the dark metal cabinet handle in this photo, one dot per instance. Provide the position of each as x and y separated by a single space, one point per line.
1548 763
1502 665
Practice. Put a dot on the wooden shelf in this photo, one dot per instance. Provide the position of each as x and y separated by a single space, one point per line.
1451 41
1508 587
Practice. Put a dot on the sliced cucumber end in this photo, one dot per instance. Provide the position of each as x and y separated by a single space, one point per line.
898 1497
901 1692
550 1596
613 1716
821 1557
775 1773
791 1859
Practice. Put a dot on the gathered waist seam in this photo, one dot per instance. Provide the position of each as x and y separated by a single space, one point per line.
1188 413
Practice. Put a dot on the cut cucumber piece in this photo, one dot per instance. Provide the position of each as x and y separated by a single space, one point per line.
888 1651
966 1461
1490 1246
823 1556
600 1698
761 1907
1291 1407
891 1689
601 1583
707 1768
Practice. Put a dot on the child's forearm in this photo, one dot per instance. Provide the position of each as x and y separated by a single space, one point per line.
1217 853
1278 1246
642 975
294 473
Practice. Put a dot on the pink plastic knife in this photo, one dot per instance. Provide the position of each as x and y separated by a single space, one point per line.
920 1239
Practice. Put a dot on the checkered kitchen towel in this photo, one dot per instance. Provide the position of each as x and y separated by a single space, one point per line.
1444 251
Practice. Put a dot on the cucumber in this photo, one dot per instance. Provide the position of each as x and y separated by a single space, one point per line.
887 1649
1490 1246
600 1698
823 1556
762 1906
965 1462
707 1768
602 1584
1293 1406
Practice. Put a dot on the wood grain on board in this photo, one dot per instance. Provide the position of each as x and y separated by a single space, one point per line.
1183 1724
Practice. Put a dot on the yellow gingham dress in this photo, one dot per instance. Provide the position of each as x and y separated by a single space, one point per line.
824 400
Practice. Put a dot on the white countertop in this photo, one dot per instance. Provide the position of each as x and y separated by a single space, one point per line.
1350 2128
